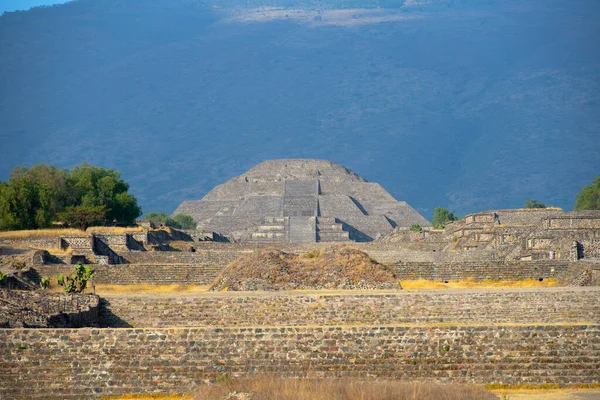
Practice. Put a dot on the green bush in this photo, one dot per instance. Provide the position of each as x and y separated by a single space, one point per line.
45 283
534 204
180 221
416 228
589 197
312 254
441 216
78 282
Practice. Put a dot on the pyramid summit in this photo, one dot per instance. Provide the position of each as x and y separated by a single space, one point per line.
300 200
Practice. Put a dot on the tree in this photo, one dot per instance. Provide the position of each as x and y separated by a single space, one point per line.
534 204
34 197
104 187
185 221
441 216
83 216
589 197
157 217
180 221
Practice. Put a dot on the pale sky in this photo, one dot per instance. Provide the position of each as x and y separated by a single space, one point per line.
12 5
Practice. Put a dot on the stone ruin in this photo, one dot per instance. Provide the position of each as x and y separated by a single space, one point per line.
300 201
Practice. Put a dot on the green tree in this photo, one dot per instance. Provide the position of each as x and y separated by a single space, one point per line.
104 187
534 204
185 221
441 216
589 197
33 198
157 217
83 216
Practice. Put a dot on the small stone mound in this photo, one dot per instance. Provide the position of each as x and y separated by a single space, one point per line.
338 267
30 309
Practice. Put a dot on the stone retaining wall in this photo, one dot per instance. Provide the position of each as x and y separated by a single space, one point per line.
200 273
133 274
88 363
551 305
509 270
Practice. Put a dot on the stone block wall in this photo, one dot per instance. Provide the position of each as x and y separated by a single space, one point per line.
404 307
132 274
89 363
510 270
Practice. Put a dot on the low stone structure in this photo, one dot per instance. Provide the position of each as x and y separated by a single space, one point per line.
89 363
300 200
47 310
467 306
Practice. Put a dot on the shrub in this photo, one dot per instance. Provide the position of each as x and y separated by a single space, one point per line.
441 216
589 197
416 228
45 283
78 282
312 254
2 276
534 204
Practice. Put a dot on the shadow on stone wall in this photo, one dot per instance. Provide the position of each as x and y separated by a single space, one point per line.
109 320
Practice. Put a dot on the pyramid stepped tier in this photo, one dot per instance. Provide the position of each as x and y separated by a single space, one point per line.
329 230
318 201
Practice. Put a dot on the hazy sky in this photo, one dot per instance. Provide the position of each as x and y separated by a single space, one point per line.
12 5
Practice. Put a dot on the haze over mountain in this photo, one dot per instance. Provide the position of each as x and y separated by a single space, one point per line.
470 105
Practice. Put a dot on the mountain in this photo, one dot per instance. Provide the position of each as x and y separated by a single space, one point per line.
469 104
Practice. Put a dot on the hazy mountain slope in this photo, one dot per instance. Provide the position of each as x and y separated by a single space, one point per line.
470 105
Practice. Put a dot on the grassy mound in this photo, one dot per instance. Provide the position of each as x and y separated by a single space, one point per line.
338 267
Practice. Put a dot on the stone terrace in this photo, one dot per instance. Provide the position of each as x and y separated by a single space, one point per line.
88 363
323 308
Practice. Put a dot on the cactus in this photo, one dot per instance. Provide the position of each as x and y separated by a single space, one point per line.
78 282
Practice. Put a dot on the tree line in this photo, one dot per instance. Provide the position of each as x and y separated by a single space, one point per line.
37 197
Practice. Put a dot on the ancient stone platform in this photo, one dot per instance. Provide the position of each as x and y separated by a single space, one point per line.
300 200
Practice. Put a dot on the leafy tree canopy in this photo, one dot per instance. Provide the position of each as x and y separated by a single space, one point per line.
589 197
441 216
34 197
185 221
534 204
180 221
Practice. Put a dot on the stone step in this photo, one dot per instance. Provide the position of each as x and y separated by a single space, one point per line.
274 220
327 227
333 236
270 228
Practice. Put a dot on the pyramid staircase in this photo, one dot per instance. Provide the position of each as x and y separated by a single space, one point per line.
272 230
330 230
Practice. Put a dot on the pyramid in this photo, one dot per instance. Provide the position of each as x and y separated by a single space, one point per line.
300 200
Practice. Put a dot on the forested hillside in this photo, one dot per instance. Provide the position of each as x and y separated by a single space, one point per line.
463 104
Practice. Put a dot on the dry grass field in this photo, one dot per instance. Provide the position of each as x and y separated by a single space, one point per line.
267 388
476 284
40 233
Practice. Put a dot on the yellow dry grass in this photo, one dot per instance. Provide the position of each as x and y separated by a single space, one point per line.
150 397
26 234
42 233
150 289
57 251
269 388
114 229
471 283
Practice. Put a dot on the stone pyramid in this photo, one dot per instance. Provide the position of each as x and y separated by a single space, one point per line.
300 200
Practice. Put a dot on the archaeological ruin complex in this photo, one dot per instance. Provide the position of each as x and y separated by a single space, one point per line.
300 201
